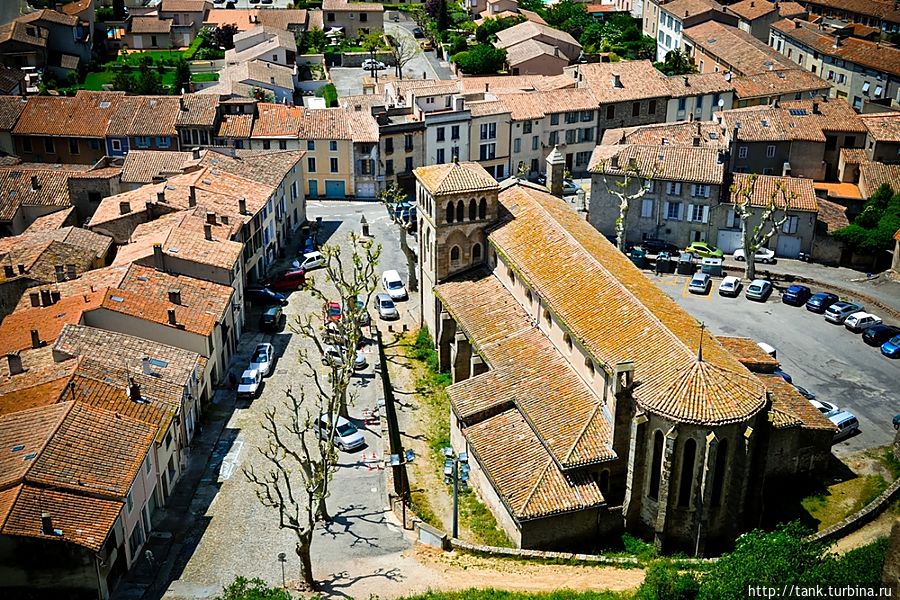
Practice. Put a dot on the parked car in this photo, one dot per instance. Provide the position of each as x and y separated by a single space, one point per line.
288 281
891 348
569 187
805 392
309 261
700 283
730 286
839 311
417 32
346 436
249 384
393 285
364 318
879 334
271 319
426 45
386 307
860 321
762 255
820 301
263 296
371 63
262 360
783 375
654 246
796 295
759 289
846 423
897 421
826 408
335 355
704 250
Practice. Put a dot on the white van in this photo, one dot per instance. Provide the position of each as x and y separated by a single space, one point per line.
847 424
393 285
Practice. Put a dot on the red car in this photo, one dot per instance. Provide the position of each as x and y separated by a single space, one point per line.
288 281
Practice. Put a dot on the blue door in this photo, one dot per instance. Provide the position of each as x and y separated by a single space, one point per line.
334 189
313 188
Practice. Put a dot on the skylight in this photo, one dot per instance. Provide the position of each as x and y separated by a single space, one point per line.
117 298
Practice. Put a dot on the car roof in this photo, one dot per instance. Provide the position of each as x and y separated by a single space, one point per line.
797 286
249 373
841 416
700 276
312 254
730 278
392 274
264 345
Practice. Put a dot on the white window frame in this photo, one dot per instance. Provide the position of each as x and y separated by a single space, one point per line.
791 224
742 152
770 151
647 208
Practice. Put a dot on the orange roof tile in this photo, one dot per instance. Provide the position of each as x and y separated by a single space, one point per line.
203 296
737 49
790 409
277 120
37 386
874 55
453 178
155 310
637 80
698 164
15 331
88 114
777 83
23 436
324 124
800 191
145 116
883 127
235 126
749 353
668 134
86 283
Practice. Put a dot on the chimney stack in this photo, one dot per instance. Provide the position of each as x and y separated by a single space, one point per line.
60 273
71 272
35 184
687 81
211 218
242 206
696 140
224 219
21 269
815 108
556 165
134 390
124 208
175 296
195 152
35 299
47 524
172 320
616 80
786 169
192 196
8 271
55 296
46 298
614 161
207 231
159 259
15 363
35 339
161 196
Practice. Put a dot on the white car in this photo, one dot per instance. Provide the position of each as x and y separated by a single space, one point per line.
730 286
309 261
335 355
860 321
700 284
762 255
393 285
826 408
371 63
346 435
263 357
249 384
386 307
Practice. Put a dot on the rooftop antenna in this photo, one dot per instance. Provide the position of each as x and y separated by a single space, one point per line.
700 349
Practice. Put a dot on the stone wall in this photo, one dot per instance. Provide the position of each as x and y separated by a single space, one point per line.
857 520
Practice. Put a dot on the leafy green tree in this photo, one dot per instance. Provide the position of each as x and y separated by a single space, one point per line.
487 31
251 589
123 80
329 93
458 44
223 36
676 63
569 16
182 76
483 59
312 42
663 581
873 229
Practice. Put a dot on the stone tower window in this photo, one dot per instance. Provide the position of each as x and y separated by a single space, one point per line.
603 482
460 211
476 253
568 340
449 212
473 209
454 256
590 365
719 475
529 297
686 480
656 465
482 208
547 318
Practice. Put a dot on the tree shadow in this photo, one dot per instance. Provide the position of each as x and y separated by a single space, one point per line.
332 588
341 523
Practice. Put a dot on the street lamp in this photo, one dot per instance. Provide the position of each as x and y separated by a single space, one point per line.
456 470
395 461
282 558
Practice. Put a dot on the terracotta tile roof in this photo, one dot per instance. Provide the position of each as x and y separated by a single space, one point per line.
795 120
76 7
452 178
528 30
156 311
185 5
344 5
698 164
422 87
883 9
88 114
530 49
530 484
742 52
50 16
141 166
874 55
536 105
836 190
767 186
197 294
24 33
31 429
484 108
235 126
638 80
149 24
324 124
524 83
363 126
833 215
621 316
532 16
268 167
698 83
83 520
15 331
750 10
749 354
283 18
17 189
10 79
10 109
145 115
777 83
683 133
873 174
52 221
258 71
883 127
85 283
197 110
689 8
39 385
791 9
790 409
833 115
531 374
277 120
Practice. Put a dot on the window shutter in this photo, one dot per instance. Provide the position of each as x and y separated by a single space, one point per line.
690 212
693 189
706 214
666 209
680 208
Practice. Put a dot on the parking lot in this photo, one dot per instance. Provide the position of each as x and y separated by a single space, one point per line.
826 359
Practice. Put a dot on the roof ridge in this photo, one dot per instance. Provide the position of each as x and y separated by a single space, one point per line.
539 479
62 417
587 424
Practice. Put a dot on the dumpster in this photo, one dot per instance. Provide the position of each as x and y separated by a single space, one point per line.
712 267
686 264
664 263
638 257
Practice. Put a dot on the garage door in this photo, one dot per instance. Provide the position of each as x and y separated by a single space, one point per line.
729 241
334 189
788 246
365 190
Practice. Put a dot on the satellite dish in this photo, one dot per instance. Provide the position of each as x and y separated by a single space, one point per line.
721 102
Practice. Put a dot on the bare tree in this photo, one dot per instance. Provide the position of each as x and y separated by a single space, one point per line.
621 190
754 237
403 51
391 196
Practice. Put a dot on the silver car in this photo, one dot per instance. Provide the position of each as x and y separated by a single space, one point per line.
839 311
386 307
700 284
346 435
263 358
335 355
759 289
249 384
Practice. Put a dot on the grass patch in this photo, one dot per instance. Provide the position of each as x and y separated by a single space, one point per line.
843 499
96 81
132 57
492 594
890 462
204 77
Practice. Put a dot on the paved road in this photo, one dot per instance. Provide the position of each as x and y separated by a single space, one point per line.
10 9
826 359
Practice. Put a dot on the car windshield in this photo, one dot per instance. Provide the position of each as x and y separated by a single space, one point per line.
247 381
260 357
346 429
395 285
894 341
387 304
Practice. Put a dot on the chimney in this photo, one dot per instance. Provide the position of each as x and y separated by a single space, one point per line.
796 24
161 196
124 208
181 103
60 273
837 42
159 259
207 231
134 390
786 169
15 364
195 152
8 271
21 269
172 320
487 87
47 524
71 272
192 196
556 164
614 161
46 298
35 299
815 108
242 206
616 80
211 218
55 296
35 339
696 140
175 296
687 81
35 184
224 219
752 3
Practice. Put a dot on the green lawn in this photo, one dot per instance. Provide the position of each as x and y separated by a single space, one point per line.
204 77
95 81
133 56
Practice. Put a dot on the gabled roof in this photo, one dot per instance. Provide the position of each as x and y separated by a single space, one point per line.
455 177
145 116
790 409
86 283
197 109
750 10
10 79
141 166
24 33
681 86
741 52
31 429
17 189
883 126
149 24
874 55
622 81
324 124
801 193
680 133
15 331
344 5
528 30
531 49
695 164
11 108
209 298
283 18
88 114
43 382
137 305
778 82
50 16
684 9
185 5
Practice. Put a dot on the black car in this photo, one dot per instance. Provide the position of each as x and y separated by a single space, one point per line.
654 246
796 295
263 296
820 301
417 32
879 334
271 319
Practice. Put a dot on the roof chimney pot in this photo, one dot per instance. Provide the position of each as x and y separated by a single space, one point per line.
161 195
192 196
242 206
207 231
35 184
124 208
175 296
195 153
15 363
35 339
47 524
172 320
35 299
211 218
46 298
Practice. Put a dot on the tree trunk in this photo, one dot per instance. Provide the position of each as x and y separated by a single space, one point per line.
410 260
303 547
620 223
750 269
323 510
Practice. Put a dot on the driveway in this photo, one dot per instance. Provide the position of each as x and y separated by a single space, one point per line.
826 359
426 63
